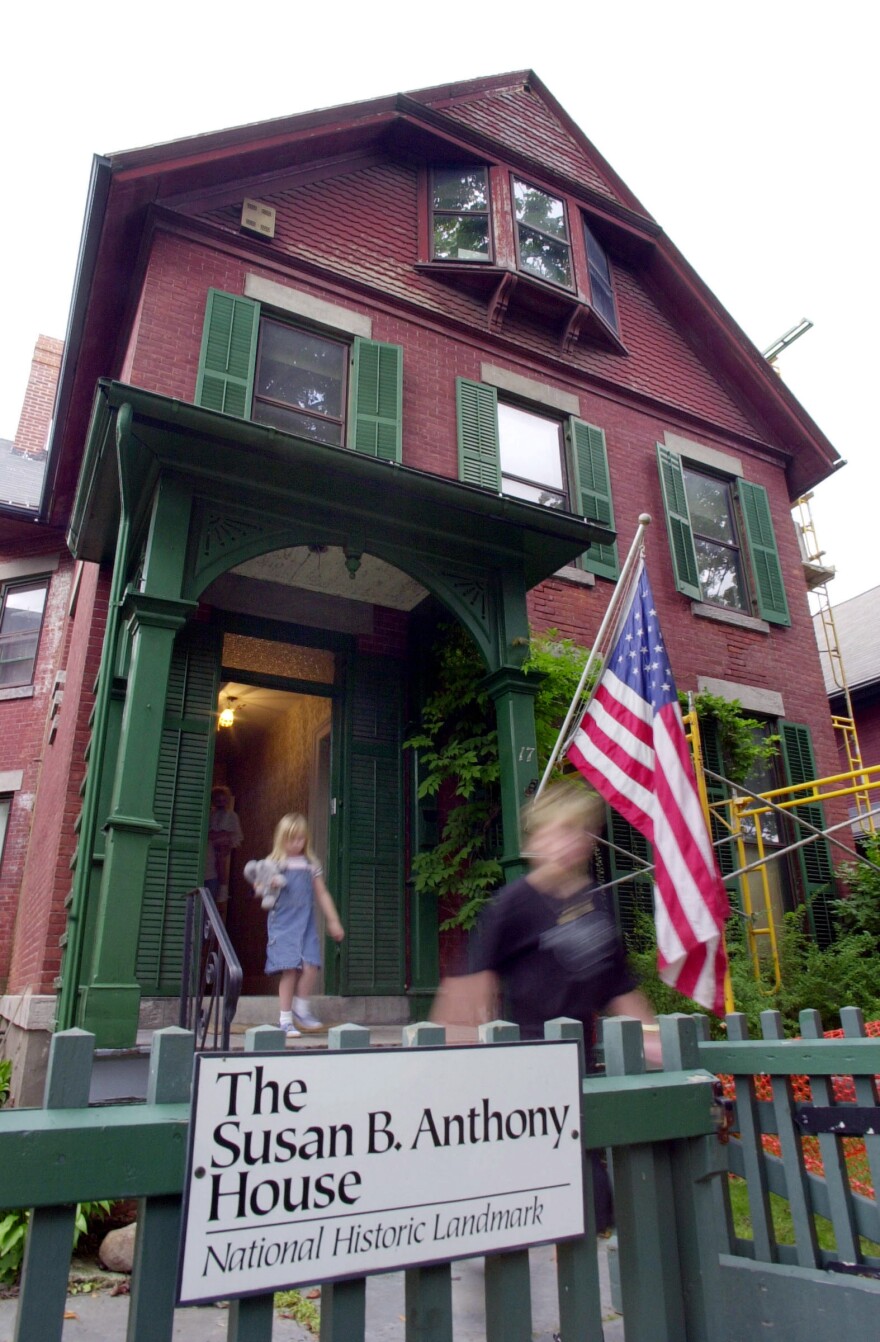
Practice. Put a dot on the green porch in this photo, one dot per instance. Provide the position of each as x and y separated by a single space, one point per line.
211 526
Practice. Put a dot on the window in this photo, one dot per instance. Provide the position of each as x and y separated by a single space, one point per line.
542 242
531 457
601 291
721 539
300 382
556 461
21 619
460 214
716 544
344 393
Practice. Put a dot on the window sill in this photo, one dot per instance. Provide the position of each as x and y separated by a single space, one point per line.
510 291
724 616
578 576
17 692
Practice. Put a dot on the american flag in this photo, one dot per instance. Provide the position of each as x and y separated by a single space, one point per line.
631 747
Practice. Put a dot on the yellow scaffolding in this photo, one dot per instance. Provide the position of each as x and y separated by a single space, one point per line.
740 817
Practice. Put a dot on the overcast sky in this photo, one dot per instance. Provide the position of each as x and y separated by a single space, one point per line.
749 131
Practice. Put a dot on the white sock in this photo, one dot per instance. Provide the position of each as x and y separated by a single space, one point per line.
300 1004
287 1018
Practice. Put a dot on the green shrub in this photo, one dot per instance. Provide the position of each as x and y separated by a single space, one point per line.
844 974
5 1080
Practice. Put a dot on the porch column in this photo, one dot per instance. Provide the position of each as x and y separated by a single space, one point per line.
109 1001
513 693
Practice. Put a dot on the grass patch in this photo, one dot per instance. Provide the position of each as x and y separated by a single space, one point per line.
783 1226
294 1305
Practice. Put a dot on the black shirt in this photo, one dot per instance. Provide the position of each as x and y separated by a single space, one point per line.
555 957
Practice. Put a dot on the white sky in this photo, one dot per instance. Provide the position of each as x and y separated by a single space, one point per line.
748 130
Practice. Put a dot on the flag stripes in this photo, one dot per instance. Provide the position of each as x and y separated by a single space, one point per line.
631 746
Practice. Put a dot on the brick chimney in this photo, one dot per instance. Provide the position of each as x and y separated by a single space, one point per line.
39 399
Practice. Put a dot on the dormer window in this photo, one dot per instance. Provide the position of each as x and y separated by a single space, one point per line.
460 214
542 239
601 291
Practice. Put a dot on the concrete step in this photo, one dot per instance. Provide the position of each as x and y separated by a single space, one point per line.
120 1075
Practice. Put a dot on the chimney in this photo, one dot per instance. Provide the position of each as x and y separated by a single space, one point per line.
39 400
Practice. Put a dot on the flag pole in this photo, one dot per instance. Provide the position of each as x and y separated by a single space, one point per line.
607 620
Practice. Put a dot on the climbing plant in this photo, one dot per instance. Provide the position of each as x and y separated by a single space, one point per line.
742 742
457 745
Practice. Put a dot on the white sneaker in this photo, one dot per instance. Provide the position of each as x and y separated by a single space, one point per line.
304 1017
289 1029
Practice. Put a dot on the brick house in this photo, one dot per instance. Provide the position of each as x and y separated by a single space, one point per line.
328 381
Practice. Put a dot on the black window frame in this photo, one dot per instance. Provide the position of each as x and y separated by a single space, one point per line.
735 546
571 287
434 211
32 581
267 319
566 490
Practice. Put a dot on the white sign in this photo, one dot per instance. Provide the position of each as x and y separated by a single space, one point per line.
309 1167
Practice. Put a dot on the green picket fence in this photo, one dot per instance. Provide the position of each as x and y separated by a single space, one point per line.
64 1153
684 1276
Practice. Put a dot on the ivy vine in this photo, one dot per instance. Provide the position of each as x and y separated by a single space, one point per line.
457 746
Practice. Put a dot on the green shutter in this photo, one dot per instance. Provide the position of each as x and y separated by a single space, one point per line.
479 461
814 861
229 350
725 853
763 552
592 493
376 400
177 855
634 896
373 951
678 523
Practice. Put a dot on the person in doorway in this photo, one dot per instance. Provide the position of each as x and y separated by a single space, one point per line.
549 944
224 834
289 882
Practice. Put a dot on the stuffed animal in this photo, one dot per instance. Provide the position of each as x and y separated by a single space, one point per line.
266 878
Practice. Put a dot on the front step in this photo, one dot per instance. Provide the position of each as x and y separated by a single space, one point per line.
330 1010
120 1075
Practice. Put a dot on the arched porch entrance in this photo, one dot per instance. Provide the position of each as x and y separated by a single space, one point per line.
212 523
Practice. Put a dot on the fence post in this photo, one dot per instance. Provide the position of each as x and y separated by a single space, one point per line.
791 1147
428 1290
344 1303
47 1254
702 1203
508 1284
577 1262
251 1320
154 1271
650 1273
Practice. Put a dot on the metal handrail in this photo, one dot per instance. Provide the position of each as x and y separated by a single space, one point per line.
211 976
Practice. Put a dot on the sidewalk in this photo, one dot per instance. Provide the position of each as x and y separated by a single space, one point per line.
101 1317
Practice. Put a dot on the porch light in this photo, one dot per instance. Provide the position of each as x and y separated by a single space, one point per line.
227 714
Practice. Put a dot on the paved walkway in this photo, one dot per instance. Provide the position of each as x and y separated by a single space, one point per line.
101 1317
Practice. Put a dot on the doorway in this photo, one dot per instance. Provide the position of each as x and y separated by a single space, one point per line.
274 756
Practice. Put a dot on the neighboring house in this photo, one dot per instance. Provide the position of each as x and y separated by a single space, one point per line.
328 382
37 577
856 625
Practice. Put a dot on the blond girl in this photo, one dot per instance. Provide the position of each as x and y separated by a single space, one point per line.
289 882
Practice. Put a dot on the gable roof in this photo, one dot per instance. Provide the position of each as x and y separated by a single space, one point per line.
484 116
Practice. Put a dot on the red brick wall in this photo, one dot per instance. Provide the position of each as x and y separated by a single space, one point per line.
166 360
39 399
46 880
23 727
